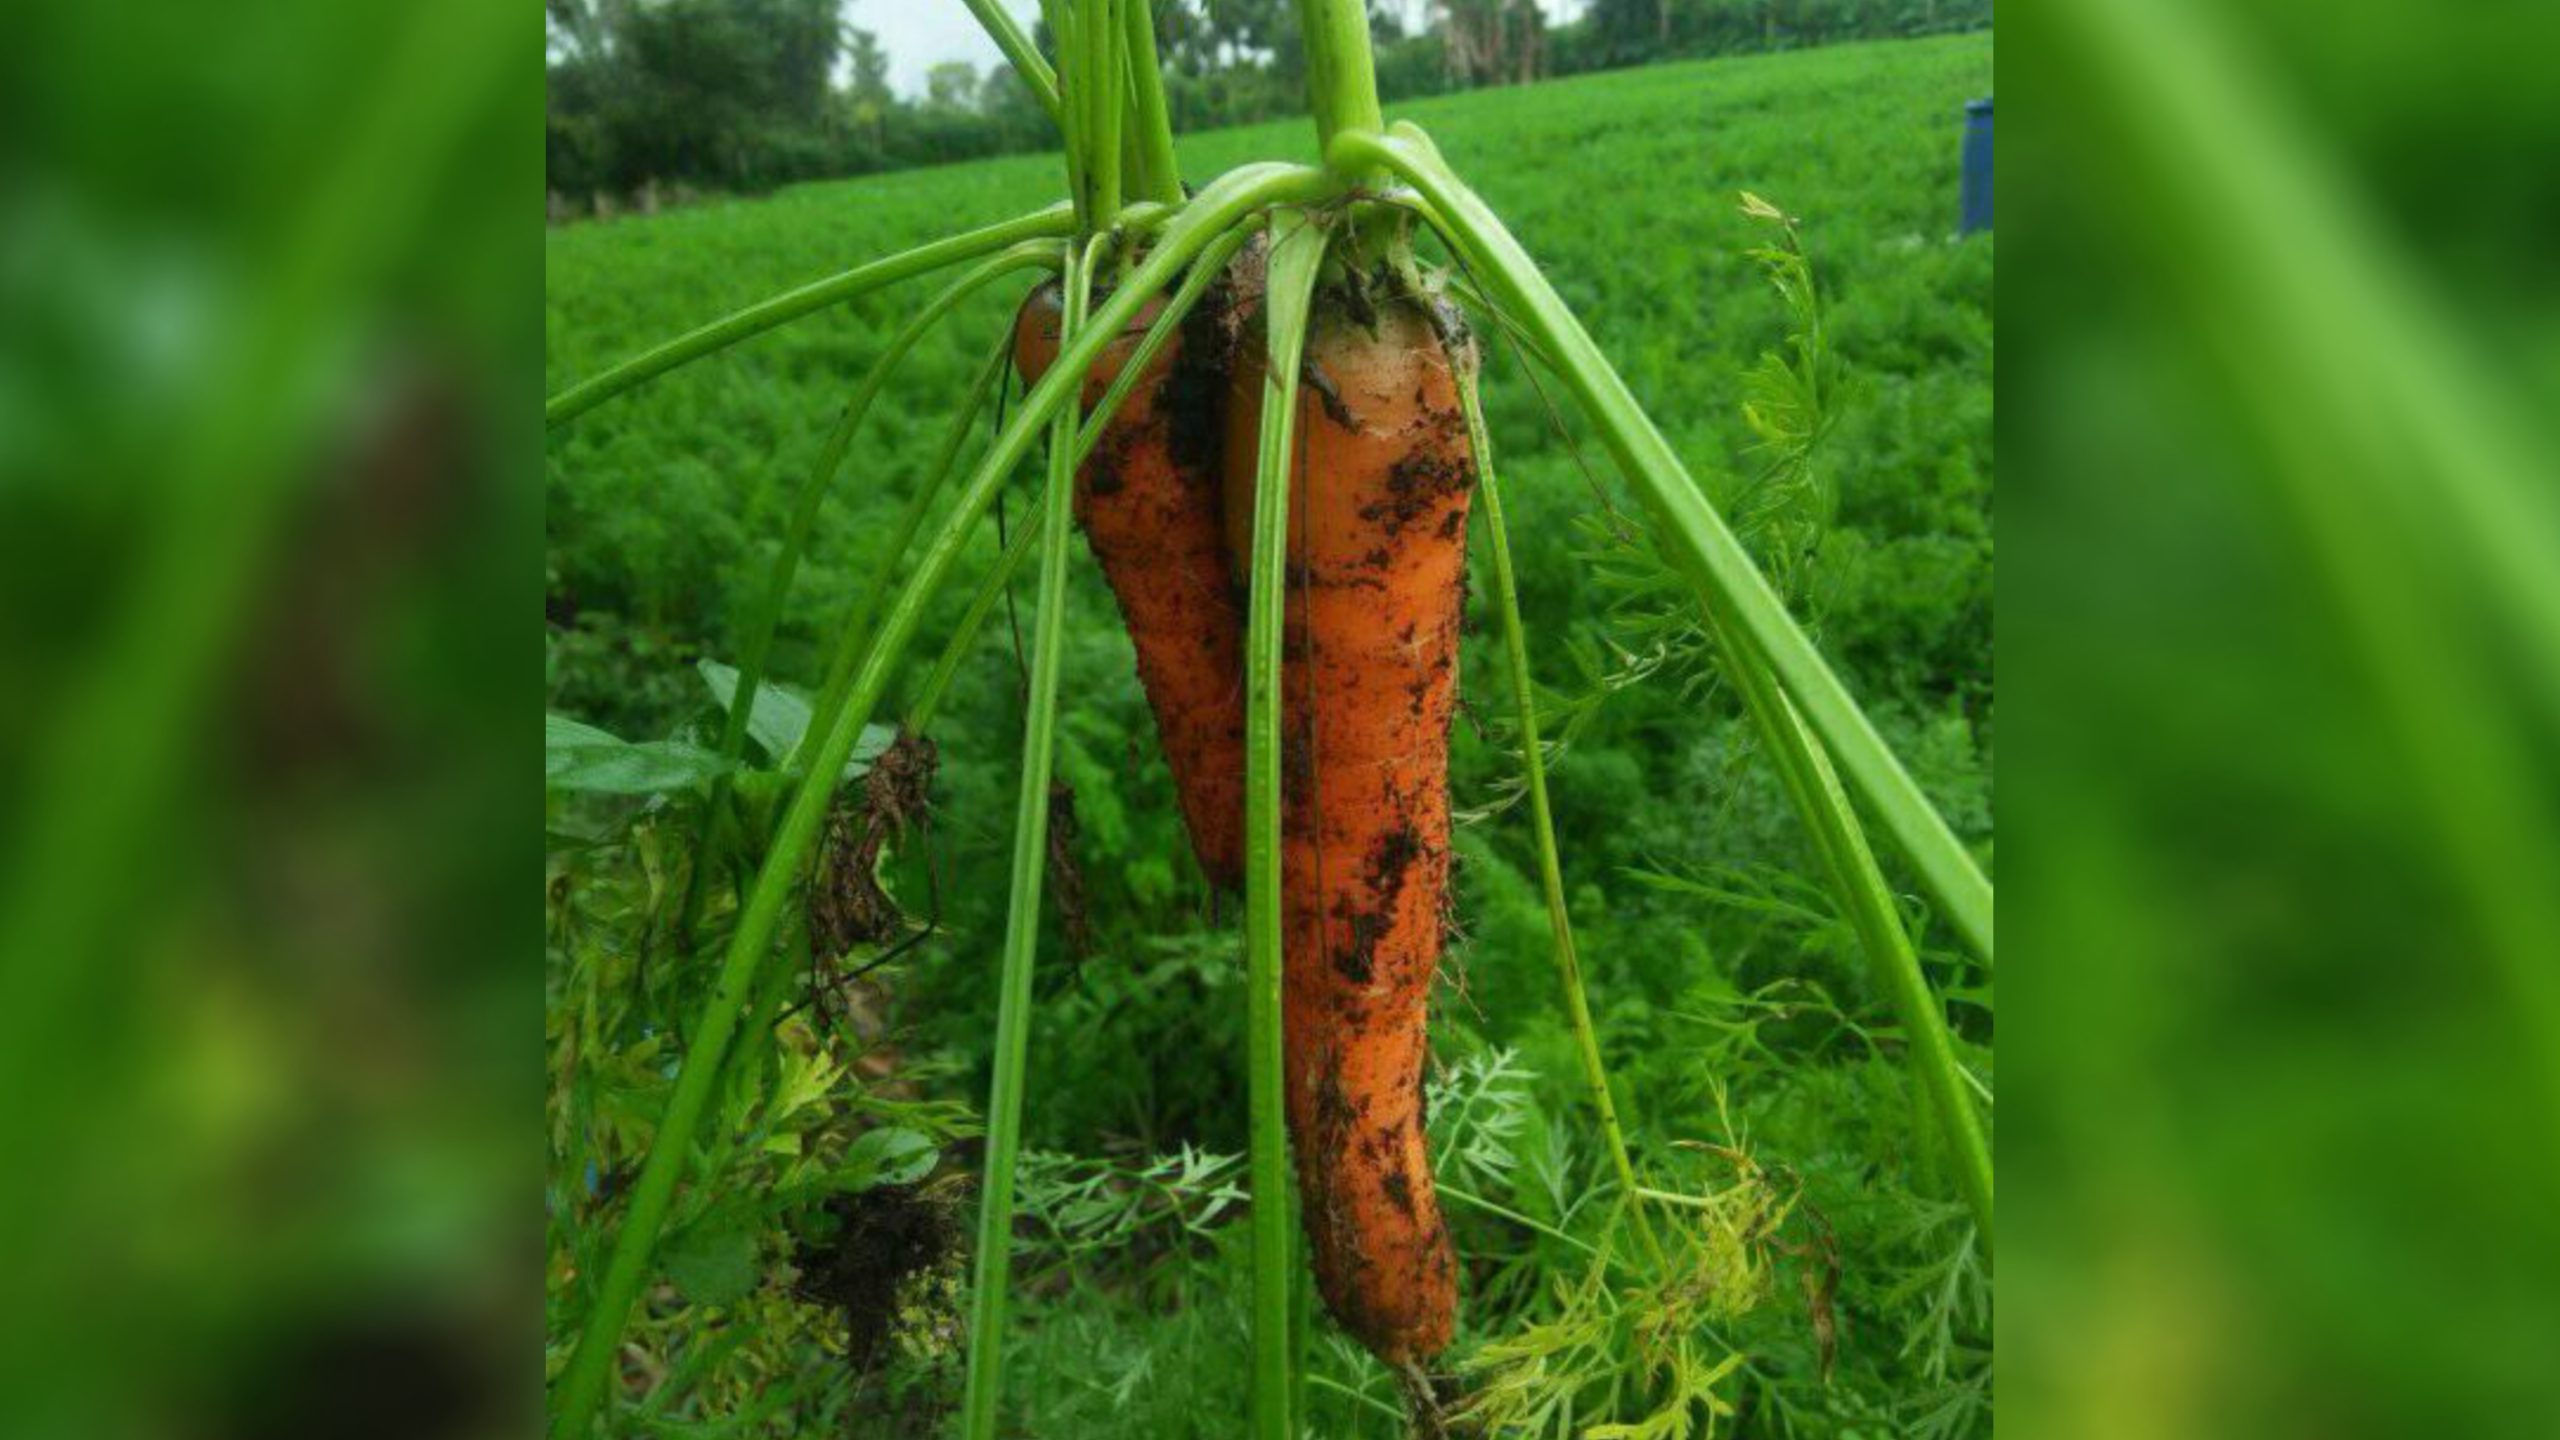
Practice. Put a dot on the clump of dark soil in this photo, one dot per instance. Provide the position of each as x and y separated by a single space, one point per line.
1194 404
1430 476
884 1243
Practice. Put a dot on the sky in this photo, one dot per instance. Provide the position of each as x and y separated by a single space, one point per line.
919 34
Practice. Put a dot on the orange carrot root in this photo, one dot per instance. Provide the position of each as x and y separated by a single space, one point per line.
1148 501
1376 586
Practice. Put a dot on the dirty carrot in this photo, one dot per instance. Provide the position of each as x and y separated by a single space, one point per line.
1375 586
1148 501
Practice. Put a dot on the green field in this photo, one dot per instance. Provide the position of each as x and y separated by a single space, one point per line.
1733 1003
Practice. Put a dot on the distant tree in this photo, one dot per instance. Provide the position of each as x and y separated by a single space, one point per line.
870 67
1528 41
1249 29
952 85
868 100
1015 113
577 29
1492 42
719 92
1628 30
1185 40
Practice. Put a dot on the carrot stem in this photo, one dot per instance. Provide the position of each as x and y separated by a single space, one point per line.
1342 70
1055 221
1159 173
1022 916
1296 256
1736 596
757 647
1204 272
1577 1004
854 632
1075 112
1858 882
1028 66
1103 55
1515 1217
1769 659
928 696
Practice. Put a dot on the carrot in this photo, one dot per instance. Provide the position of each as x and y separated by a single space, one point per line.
1148 501
1376 585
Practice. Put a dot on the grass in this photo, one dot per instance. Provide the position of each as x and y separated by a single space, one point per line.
1733 1002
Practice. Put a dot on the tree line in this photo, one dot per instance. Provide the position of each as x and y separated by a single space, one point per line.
745 95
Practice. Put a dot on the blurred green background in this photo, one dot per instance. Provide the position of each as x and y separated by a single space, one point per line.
268 509
2278 655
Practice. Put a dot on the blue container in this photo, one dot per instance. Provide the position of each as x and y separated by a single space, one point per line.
1977 167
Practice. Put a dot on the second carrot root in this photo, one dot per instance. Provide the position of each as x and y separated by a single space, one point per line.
1149 502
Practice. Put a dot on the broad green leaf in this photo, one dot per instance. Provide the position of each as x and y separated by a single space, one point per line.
559 732
578 756
653 768
885 1157
875 738
714 1263
779 718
